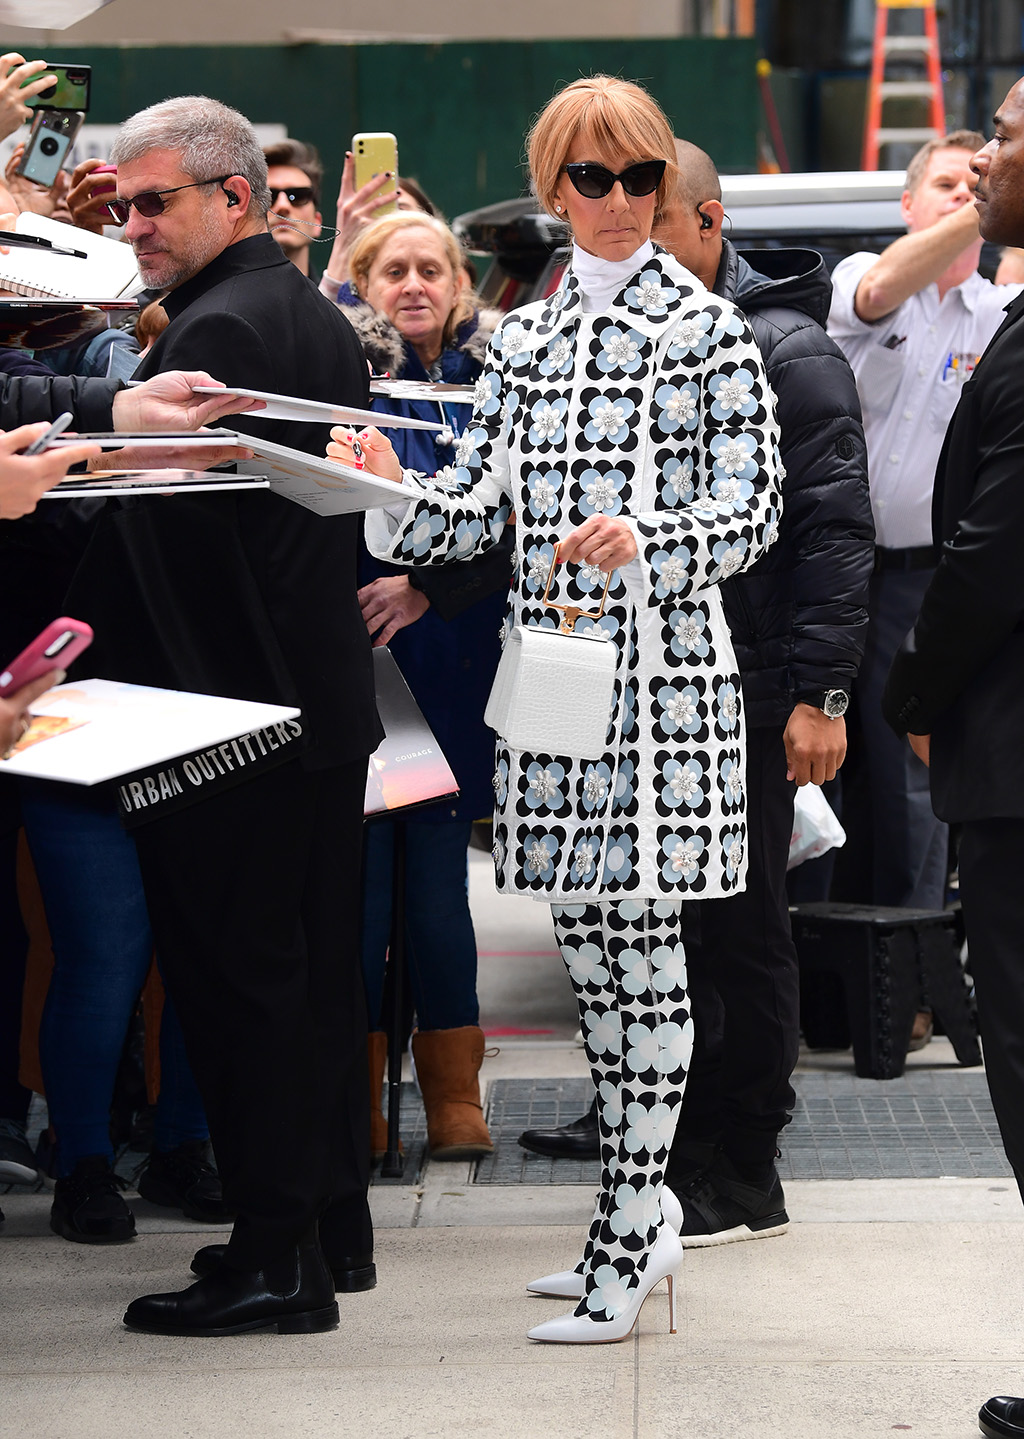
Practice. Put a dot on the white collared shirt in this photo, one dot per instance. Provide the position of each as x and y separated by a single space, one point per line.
909 368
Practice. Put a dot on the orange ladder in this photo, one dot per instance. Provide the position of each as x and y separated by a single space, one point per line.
926 48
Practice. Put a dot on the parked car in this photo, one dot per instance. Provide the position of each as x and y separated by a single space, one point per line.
834 213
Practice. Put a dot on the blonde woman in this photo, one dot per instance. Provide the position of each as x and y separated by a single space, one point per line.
627 422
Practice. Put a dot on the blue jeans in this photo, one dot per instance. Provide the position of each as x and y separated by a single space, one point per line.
102 946
441 945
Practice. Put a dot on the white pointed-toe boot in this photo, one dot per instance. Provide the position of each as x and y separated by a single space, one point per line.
665 1258
569 1283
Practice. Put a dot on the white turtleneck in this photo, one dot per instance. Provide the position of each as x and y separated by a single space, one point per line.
601 280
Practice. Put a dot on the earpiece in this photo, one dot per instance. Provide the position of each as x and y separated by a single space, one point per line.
232 198
706 221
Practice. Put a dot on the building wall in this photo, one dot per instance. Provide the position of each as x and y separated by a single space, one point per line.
225 22
460 111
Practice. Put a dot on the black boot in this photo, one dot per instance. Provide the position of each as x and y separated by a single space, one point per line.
578 1140
184 1178
293 1296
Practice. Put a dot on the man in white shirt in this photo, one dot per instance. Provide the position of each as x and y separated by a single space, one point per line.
913 322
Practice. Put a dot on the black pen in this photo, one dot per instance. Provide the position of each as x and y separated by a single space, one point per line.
36 242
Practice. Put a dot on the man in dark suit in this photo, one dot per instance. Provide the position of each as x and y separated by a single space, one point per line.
957 684
254 888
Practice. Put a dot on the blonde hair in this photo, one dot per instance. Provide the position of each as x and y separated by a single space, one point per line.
955 140
373 239
611 114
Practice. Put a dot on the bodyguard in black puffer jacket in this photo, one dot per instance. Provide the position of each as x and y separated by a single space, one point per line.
798 617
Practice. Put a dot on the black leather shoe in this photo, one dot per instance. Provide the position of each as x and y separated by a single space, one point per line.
294 1297
184 1178
88 1207
1002 1418
578 1140
352 1273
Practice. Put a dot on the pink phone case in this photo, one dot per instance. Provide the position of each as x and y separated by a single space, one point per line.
61 642
104 170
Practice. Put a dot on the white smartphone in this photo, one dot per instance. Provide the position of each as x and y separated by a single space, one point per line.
376 153
51 137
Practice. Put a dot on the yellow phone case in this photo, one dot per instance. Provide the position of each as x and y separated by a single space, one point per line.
376 152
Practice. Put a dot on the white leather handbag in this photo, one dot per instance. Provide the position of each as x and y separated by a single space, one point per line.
553 689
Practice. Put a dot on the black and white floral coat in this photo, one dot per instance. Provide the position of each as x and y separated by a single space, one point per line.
656 410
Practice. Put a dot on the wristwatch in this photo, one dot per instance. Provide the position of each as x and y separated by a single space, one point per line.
833 703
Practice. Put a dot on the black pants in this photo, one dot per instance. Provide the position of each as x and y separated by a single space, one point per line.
14 1097
744 981
254 898
991 866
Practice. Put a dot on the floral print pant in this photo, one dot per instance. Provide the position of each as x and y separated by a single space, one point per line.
626 962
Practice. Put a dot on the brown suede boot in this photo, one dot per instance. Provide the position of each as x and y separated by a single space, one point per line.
377 1050
447 1065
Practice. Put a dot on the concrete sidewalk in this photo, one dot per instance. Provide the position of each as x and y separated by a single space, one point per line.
890 1306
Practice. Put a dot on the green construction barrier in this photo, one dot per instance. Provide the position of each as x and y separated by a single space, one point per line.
460 111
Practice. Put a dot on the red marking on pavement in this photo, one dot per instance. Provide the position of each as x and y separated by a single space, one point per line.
511 1029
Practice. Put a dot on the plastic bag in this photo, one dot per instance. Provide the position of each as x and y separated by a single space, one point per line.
815 827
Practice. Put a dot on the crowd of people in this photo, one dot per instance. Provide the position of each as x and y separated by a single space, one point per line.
718 463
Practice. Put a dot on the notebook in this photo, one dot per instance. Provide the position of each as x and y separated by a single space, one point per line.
109 272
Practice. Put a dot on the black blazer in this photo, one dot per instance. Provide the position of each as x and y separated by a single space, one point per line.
249 596
959 675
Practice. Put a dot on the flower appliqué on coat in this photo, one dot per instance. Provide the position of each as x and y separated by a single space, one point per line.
601 492
609 418
731 395
558 358
688 634
548 426
651 295
677 475
544 487
621 350
486 394
672 568
678 407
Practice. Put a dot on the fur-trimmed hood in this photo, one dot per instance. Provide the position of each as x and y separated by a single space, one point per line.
386 349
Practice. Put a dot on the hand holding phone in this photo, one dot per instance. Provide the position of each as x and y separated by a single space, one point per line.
62 641
88 196
20 80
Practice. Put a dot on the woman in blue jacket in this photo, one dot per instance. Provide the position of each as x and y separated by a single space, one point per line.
411 306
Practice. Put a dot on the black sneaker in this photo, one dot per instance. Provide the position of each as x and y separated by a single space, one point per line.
184 1178
720 1207
88 1207
17 1162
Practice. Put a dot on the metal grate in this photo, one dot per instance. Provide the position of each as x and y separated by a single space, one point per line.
923 1125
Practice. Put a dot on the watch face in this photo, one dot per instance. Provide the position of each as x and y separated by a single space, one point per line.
836 703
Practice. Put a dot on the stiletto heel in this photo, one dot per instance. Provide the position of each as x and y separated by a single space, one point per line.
569 1283
671 1303
665 1258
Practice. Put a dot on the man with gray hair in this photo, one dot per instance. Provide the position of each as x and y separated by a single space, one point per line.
252 878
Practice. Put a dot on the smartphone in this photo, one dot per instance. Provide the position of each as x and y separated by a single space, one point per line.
70 90
44 441
376 152
52 135
61 642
